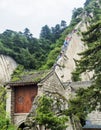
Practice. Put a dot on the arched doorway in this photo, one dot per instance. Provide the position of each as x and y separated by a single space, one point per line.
21 127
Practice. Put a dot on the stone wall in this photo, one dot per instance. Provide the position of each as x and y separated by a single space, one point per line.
51 84
19 118
52 87
94 118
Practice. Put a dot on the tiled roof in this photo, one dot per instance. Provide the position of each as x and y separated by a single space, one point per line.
77 85
29 78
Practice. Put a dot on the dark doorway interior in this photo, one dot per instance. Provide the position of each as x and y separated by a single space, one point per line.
21 126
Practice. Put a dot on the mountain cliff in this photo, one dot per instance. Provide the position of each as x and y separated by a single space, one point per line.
68 46
7 66
25 49
66 62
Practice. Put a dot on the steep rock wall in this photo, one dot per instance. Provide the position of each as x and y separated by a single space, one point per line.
66 62
7 66
65 65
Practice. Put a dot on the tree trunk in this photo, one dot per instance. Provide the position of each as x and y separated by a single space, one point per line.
75 123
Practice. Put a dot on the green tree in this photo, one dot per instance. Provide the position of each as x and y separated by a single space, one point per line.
27 33
57 31
88 100
87 2
24 48
91 57
5 123
47 117
63 24
90 61
45 32
77 12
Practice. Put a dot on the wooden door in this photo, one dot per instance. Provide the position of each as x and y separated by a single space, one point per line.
24 96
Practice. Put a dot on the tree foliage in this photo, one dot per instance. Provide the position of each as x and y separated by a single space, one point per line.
24 48
53 33
90 60
28 51
45 32
47 117
77 12
89 99
5 123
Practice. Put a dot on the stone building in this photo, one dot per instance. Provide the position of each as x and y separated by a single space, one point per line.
20 96
23 98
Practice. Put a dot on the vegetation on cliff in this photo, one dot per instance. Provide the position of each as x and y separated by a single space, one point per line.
90 61
41 53
29 51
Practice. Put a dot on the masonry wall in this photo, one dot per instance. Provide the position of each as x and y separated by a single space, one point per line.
52 84
94 118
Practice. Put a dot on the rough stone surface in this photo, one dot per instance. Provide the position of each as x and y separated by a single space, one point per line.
19 118
7 66
52 87
66 63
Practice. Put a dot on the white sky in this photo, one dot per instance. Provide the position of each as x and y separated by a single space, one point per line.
34 14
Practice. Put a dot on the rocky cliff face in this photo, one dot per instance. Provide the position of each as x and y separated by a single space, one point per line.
65 61
7 66
65 64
